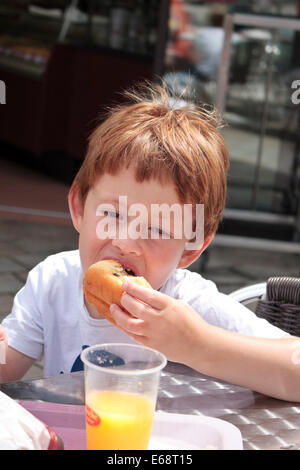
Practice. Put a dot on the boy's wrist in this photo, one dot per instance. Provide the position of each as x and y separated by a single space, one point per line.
201 350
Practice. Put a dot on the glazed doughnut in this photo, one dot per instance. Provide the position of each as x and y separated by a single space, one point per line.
102 285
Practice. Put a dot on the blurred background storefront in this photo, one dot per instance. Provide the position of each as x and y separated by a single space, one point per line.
64 61
244 57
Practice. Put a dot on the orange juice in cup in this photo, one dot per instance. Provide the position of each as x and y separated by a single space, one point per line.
121 384
118 420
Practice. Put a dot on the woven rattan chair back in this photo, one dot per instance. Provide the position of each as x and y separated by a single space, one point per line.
282 304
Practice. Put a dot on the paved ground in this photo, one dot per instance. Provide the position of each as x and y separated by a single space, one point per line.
23 243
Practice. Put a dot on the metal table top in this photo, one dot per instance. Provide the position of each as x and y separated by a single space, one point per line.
265 423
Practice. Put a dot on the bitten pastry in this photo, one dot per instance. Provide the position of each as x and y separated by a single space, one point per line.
103 285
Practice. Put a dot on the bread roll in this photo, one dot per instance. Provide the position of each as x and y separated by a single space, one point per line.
103 285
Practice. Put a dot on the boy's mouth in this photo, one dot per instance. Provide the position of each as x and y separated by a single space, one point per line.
130 269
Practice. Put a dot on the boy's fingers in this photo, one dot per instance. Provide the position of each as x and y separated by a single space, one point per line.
149 296
134 306
125 321
2 346
2 333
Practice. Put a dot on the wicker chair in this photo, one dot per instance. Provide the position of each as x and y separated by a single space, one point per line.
277 300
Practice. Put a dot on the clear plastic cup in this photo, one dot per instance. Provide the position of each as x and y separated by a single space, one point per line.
121 385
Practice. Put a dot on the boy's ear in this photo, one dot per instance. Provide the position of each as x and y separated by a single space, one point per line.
76 207
189 256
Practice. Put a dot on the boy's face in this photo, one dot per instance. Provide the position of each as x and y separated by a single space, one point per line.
153 257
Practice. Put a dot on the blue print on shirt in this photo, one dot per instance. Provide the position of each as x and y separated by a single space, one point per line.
101 357
78 364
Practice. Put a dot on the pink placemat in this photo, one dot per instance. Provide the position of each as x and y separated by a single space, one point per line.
170 430
68 421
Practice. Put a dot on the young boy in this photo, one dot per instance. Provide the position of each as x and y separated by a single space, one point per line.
149 152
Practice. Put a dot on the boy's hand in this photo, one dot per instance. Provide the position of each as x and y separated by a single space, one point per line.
13 364
160 322
2 333
3 345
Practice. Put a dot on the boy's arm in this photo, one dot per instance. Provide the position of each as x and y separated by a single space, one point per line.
269 366
16 363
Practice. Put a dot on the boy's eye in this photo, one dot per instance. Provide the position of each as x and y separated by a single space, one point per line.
111 214
160 232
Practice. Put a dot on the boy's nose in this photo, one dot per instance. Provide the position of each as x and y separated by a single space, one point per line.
127 246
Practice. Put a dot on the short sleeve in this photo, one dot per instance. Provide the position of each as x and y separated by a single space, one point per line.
23 326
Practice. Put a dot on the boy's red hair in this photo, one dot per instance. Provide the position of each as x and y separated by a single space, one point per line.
163 140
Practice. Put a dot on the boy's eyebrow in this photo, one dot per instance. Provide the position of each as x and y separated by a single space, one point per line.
110 199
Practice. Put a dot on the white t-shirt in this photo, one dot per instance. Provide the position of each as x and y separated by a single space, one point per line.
49 319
